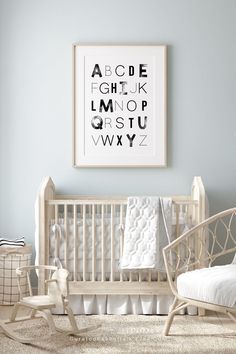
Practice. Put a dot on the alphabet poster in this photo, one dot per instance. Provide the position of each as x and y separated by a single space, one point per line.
119 106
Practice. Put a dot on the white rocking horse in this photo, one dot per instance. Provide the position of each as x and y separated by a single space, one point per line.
41 305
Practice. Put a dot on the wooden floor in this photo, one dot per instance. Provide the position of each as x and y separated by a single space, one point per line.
211 317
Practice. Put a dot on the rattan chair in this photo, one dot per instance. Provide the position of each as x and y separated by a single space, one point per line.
42 305
199 253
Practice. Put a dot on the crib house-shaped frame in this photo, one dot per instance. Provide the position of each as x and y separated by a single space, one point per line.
91 243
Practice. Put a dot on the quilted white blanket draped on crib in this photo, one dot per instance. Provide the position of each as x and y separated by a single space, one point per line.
147 231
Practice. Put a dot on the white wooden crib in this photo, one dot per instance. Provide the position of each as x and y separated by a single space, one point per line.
91 242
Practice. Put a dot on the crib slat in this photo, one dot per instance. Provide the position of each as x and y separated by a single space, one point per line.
177 208
75 278
102 245
121 236
177 220
57 244
93 243
66 236
56 214
84 242
188 221
112 243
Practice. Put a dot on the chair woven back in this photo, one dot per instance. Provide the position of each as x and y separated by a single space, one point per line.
209 243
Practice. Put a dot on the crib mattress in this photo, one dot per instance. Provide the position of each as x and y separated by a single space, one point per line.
216 285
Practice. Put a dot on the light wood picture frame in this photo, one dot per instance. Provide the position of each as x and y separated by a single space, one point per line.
119 106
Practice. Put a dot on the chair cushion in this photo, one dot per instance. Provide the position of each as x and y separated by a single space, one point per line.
216 285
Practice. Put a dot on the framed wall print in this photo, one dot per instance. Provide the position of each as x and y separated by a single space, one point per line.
119 105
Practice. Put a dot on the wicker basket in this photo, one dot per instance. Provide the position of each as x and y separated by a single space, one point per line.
10 259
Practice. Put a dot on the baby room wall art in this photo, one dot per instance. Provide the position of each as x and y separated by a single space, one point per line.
119 105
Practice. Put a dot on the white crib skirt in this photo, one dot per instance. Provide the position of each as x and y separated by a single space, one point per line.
122 305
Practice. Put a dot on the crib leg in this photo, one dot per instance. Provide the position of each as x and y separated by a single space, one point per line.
201 311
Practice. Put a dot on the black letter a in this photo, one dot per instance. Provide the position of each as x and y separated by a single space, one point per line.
96 71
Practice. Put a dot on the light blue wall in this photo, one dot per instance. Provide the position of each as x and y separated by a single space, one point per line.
36 98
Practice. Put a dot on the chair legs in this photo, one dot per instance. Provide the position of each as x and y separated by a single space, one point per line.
75 330
170 318
6 325
231 316
14 312
13 317
174 308
71 319
47 315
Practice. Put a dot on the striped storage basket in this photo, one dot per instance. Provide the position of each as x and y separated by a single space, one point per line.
10 259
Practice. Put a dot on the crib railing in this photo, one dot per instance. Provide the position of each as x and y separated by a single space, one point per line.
85 223
92 240
82 213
